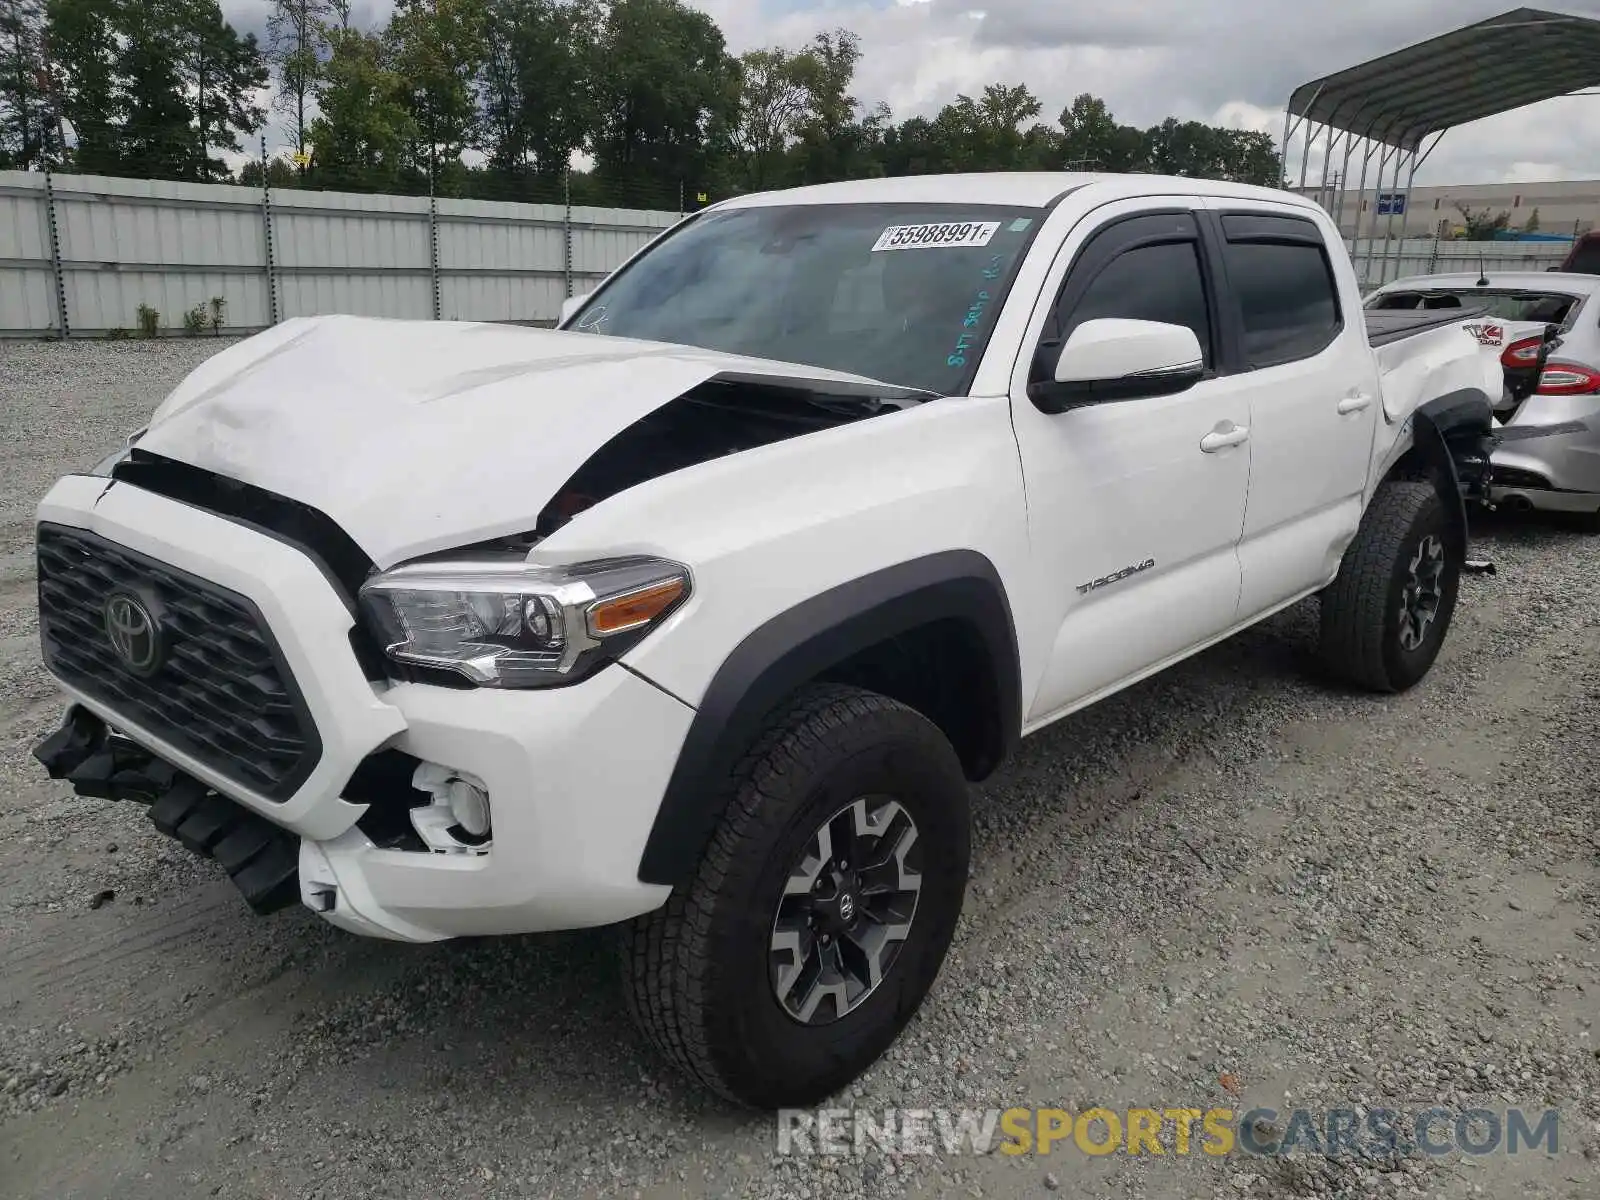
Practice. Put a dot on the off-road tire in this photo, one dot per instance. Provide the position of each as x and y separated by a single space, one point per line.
696 972
1361 609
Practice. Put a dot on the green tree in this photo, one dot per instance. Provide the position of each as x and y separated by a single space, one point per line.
774 101
82 37
155 114
1252 157
1201 151
1531 225
986 133
280 174
915 147
1482 224
436 49
1093 140
1177 147
668 102
834 141
537 91
25 112
296 47
150 87
223 73
363 126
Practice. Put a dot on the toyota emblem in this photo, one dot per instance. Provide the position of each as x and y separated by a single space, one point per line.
133 633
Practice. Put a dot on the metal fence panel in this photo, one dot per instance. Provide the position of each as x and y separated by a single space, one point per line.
172 246
339 252
27 285
603 238
500 260
175 246
1378 263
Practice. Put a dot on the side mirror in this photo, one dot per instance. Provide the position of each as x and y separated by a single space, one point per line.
1116 359
571 305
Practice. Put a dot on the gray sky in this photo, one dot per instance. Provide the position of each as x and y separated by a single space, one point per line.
1231 62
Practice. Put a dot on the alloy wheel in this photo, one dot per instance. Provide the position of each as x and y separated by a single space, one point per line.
846 911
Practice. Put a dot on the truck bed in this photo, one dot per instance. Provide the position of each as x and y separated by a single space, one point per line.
1386 326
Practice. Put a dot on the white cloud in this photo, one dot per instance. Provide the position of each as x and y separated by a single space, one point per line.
1232 62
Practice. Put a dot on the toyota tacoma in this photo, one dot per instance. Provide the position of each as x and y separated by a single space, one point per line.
697 615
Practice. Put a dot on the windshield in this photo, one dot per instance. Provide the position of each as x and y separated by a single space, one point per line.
1551 308
902 293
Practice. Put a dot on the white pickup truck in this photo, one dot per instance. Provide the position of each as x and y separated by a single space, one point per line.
697 616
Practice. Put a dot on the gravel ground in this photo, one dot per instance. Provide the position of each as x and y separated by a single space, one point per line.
1229 886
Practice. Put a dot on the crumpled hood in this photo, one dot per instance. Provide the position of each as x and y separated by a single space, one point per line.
418 436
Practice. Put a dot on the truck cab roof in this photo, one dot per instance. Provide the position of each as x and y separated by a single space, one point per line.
1034 189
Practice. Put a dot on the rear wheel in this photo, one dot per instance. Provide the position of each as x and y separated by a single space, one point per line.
822 910
1385 616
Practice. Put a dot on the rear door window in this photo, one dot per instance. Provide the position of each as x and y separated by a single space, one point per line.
1278 271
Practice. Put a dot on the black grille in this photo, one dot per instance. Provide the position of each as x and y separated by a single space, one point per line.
220 690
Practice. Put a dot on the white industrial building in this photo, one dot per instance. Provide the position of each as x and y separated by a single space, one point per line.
1563 207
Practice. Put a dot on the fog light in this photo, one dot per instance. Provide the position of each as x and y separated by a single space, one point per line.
457 822
469 806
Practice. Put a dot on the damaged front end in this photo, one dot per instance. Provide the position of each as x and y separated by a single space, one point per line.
261 858
721 417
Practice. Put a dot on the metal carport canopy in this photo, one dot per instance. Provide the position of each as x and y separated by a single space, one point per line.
1509 61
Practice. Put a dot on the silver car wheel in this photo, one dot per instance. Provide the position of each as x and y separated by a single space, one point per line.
1423 593
846 911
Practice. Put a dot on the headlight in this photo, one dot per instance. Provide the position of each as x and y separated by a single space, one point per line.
509 624
104 467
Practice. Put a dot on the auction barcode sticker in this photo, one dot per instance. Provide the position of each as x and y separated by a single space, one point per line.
936 237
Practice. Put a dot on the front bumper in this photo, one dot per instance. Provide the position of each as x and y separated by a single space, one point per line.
574 775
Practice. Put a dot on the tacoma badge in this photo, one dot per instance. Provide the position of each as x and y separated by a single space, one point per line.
1115 576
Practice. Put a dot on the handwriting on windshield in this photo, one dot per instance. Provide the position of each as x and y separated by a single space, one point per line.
968 323
974 315
592 321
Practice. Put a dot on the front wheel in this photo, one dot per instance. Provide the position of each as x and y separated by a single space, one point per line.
822 910
1385 615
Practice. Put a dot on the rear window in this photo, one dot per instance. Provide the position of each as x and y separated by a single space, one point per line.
1550 308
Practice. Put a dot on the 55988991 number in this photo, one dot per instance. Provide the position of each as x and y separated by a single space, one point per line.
936 237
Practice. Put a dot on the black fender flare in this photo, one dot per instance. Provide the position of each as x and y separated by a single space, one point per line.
1455 432
802 644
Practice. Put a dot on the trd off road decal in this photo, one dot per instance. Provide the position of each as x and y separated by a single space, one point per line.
1115 576
1487 335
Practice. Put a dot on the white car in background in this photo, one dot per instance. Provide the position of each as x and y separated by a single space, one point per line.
1547 325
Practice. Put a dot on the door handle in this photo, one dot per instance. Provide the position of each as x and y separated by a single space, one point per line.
1221 439
1352 404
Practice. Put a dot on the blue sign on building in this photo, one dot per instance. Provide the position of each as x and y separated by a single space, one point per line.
1391 202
